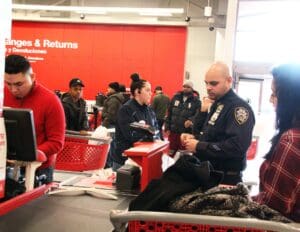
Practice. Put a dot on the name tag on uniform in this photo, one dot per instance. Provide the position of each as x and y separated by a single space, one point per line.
215 115
190 105
176 103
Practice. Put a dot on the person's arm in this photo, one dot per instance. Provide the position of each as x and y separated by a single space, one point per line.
238 138
198 122
169 115
196 106
126 116
154 104
155 123
279 181
85 122
111 112
54 128
67 115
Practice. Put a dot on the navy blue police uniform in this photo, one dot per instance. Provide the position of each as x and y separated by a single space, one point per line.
224 135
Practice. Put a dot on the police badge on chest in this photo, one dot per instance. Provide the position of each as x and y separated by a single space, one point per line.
215 115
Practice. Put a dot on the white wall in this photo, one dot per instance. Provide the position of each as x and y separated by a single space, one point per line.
200 54
220 44
204 47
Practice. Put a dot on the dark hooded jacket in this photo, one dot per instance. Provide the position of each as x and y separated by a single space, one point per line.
110 109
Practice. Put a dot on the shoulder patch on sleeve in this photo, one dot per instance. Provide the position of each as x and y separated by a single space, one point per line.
241 115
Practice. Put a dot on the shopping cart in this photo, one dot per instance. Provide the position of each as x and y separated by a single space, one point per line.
252 150
79 154
141 221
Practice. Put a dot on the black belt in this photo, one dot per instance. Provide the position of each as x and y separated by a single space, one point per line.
232 173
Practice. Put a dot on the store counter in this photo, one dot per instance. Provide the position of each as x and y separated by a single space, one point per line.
63 214
149 156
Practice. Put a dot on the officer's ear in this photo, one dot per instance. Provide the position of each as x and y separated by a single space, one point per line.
229 80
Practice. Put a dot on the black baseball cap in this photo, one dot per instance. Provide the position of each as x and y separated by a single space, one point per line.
75 82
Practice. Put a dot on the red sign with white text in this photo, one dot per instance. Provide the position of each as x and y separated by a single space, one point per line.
100 54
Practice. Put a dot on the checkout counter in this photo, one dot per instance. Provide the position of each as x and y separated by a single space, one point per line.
48 213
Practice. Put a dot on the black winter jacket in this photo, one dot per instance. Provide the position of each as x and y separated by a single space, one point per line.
111 107
225 133
186 175
180 111
75 112
126 136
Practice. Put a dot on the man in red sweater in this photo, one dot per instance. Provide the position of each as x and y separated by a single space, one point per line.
22 91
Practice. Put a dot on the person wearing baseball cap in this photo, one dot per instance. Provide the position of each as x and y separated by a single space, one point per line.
76 82
75 107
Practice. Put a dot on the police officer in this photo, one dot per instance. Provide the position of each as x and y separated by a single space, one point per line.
223 126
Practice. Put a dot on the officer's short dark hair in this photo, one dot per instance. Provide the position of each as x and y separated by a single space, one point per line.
16 64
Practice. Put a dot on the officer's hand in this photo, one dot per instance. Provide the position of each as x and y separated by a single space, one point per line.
191 144
185 136
188 123
206 104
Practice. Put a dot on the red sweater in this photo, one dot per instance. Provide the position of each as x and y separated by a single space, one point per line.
49 119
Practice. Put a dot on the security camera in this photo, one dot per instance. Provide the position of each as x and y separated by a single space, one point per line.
211 28
82 16
187 19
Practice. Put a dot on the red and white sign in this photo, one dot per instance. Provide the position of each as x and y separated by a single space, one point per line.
100 54
5 19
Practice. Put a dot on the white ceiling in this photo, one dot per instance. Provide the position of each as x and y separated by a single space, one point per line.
194 9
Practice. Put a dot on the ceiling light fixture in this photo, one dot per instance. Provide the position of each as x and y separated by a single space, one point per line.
91 12
102 10
208 10
155 14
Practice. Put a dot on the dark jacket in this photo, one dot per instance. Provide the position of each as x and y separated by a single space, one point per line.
126 136
75 112
160 105
225 133
111 107
186 175
180 111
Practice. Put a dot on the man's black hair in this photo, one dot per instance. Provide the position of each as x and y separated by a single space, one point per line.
16 64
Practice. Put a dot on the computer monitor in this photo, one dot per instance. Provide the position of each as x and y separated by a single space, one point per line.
20 134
